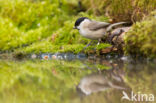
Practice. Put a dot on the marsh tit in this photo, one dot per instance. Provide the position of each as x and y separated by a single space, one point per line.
93 30
99 82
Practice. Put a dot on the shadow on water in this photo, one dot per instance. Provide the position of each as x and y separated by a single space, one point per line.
79 80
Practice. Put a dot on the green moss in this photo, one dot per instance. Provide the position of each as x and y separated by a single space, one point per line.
119 10
41 26
141 39
24 22
46 46
102 46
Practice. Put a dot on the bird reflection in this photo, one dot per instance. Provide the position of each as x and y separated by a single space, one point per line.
97 82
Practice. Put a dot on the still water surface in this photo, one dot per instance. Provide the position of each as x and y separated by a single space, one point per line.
93 80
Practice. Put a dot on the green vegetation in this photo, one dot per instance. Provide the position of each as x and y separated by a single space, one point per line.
121 10
41 26
141 39
46 26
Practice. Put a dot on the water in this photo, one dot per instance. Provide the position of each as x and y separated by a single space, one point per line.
75 79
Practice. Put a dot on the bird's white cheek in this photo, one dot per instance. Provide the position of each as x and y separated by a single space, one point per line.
78 27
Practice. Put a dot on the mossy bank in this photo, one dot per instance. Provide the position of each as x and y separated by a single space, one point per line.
34 26
121 10
41 26
141 39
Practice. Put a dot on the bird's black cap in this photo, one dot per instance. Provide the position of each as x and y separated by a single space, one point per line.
79 20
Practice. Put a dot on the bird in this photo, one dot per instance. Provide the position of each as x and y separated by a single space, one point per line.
94 30
99 82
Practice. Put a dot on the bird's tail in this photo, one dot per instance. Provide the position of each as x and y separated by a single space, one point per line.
110 27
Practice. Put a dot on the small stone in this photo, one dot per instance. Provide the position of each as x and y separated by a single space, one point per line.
108 56
45 56
69 56
91 57
54 57
81 56
124 58
33 56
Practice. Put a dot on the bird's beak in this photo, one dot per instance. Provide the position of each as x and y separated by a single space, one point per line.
74 27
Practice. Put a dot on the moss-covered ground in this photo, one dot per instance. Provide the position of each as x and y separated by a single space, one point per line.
41 26
141 39
121 10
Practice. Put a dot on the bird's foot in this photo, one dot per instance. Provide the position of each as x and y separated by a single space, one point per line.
99 41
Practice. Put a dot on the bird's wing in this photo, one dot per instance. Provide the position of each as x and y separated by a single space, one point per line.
110 27
98 86
94 25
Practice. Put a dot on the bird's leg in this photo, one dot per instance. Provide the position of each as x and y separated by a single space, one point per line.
99 41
